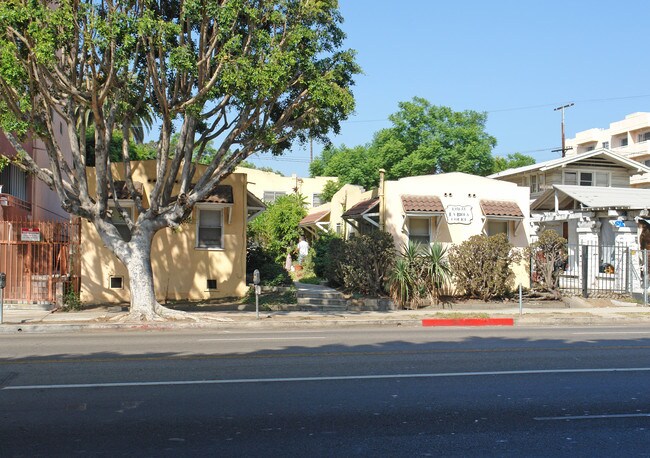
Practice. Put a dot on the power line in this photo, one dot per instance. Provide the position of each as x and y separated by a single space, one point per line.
526 107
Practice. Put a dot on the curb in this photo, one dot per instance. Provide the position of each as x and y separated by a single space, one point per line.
468 322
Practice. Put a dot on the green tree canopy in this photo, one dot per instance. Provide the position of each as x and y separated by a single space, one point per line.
423 139
511 161
242 76
276 229
331 187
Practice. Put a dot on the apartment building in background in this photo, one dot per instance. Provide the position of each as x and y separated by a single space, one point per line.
24 197
629 137
268 186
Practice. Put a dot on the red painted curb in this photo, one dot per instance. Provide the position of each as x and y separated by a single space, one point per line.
468 322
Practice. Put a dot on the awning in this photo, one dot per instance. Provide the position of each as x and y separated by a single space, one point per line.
222 194
501 209
122 190
254 205
314 218
361 208
422 204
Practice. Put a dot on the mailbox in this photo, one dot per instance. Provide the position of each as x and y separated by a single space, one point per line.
256 277
3 280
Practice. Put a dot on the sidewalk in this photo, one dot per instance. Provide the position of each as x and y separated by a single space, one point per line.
104 318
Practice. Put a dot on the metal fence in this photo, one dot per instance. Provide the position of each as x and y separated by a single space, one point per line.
40 260
595 270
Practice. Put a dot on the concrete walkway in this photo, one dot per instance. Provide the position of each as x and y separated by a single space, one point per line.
104 318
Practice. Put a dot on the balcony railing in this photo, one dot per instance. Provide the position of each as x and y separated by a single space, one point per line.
14 208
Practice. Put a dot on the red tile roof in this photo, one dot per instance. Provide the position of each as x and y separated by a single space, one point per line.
122 190
221 195
501 208
425 204
314 217
365 206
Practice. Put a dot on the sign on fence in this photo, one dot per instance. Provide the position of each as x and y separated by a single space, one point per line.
30 234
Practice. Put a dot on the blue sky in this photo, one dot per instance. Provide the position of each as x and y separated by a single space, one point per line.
517 60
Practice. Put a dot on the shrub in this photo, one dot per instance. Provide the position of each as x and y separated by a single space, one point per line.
548 257
481 266
419 274
367 261
328 257
271 273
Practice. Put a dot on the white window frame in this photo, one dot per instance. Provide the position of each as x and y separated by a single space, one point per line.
276 194
313 200
593 173
206 208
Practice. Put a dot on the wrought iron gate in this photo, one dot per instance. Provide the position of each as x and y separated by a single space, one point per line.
594 271
40 260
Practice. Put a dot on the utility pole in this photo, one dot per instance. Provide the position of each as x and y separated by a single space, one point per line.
564 148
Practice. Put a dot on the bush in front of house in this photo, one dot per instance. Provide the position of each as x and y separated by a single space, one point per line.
367 262
329 250
482 266
419 274
271 272
548 256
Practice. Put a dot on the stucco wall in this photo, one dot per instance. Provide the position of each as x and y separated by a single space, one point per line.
458 189
180 269
260 181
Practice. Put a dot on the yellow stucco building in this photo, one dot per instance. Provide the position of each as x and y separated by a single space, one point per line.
448 208
204 258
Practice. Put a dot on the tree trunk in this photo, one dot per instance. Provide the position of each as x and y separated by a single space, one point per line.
141 287
144 305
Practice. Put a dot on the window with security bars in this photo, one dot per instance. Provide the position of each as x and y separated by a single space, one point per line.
210 228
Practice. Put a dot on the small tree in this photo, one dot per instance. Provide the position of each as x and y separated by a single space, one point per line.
482 265
277 228
548 257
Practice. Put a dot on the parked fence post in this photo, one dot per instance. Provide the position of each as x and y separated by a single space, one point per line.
3 282
645 278
628 271
585 270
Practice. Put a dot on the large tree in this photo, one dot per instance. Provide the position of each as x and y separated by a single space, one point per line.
423 139
248 75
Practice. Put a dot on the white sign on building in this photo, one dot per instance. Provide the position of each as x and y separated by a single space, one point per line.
458 214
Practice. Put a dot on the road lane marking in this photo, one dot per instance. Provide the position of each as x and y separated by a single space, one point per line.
76 359
255 339
592 417
609 332
323 379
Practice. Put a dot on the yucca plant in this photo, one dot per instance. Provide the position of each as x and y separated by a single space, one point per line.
437 268
400 282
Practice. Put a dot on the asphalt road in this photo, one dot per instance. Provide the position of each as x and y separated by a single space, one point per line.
352 392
